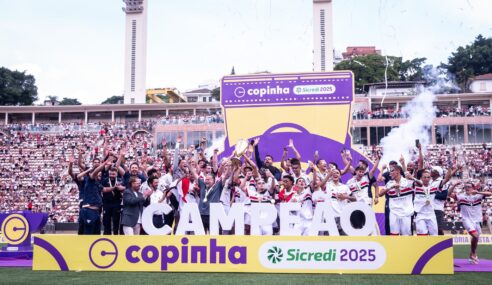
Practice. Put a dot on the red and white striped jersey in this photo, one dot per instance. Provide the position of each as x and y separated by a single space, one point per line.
470 206
284 196
360 189
437 186
336 203
424 200
400 199
321 196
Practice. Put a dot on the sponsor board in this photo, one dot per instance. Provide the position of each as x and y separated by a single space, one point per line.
465 239
268 254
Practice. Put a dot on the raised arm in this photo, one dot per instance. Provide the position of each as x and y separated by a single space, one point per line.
176 153
192 169
403 165
253 166
215 161
82 174
452 187
80 161
420 165
347 160
325 180
315 174
294 149
70 165
449 174
374 167
101 166
282 161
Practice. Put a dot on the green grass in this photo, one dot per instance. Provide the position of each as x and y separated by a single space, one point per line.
26 276
463 251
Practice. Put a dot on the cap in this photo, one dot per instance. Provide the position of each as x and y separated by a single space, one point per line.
438 169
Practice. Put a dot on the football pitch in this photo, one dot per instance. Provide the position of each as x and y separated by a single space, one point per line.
27 276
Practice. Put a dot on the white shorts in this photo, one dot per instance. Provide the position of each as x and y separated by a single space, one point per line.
426 225
400 225
472 226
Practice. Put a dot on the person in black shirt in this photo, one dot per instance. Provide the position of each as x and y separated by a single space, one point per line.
112 195
90 213
267 163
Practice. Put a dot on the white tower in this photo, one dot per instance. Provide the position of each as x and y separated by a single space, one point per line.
323 35
135 51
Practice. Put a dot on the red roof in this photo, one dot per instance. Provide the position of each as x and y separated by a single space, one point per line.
487 76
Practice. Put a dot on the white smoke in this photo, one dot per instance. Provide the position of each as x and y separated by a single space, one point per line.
217 143
421 113
401 140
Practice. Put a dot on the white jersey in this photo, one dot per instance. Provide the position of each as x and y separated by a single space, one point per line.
225 195
436 186
165 181
186 192
241 196
470 206
336 203
424 200
304 197
360 189
321 196
400 199
304 176
155 197
256 196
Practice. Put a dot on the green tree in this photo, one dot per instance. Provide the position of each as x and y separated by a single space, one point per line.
17 88
53 99
372 68
216 94
471 60
113 100
70 101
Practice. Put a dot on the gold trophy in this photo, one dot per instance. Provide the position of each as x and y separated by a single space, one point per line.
239 150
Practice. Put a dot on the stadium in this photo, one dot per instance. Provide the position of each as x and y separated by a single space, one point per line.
187 187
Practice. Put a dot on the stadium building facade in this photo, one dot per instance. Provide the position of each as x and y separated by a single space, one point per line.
460 118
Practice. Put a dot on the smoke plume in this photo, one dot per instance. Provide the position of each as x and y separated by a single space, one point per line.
421 113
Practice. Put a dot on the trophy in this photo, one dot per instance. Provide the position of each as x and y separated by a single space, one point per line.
240 149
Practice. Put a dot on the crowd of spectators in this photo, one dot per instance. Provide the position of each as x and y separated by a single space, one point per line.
192 119
441 111
34 162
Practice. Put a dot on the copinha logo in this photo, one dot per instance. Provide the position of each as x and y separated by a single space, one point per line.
275 254
15 229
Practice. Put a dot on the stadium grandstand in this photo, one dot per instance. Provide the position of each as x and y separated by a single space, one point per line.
37 142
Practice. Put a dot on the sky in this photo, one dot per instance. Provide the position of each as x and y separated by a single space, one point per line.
75 48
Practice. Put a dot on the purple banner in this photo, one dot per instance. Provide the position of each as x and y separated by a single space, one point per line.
287 89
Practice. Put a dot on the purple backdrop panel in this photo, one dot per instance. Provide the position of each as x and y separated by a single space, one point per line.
287 89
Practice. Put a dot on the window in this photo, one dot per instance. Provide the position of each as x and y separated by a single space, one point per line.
456 134
479 133
359 135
